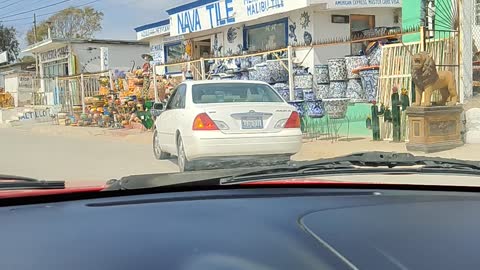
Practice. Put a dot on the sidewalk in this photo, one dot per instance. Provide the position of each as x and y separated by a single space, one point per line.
326 149
311 150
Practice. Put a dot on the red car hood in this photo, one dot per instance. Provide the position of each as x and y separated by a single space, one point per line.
41 192
4 194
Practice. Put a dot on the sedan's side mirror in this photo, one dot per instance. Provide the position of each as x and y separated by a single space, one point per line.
158 106
157 109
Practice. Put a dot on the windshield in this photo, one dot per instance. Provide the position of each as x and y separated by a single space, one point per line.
233 93
192 86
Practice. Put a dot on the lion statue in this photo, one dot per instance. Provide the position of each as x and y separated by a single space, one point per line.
427 79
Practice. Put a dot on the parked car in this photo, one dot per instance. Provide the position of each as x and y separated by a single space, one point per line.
206 122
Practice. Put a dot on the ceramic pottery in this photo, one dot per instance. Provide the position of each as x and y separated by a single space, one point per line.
375 55
298 92
355 91
244 63
315 108
244 76
338 89
321 74
237 75
336 108
354 62
300 70
254 60
337 69
309 94
285 93
370 83
259 73
303 81
283 90
277 72
279 86
323 91
269 72
298 104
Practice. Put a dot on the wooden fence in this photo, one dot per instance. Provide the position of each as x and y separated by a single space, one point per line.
395 68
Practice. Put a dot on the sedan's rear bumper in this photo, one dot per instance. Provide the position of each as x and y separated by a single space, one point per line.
211 144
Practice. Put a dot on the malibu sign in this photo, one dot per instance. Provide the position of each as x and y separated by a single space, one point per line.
205 17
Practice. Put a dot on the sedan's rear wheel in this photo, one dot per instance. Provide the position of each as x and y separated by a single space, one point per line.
157 151
183 163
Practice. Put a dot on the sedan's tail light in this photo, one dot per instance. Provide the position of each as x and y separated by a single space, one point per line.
293 121
204 122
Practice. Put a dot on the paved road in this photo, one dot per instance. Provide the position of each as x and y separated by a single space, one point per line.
81 161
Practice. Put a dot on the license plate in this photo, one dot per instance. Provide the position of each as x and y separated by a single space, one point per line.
252 123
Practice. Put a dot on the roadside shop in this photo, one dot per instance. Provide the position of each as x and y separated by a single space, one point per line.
290 44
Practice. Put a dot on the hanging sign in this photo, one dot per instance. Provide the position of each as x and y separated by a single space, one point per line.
155 31
158 54
345 4
25 81
104 58
209 16
54 54
246 10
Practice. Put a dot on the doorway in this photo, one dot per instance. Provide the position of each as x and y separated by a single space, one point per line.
360 23
202 48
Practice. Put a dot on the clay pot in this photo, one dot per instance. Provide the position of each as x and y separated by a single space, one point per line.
354 62
321 74
336 108
337 69
323 91
355 91
338 89
369 79
315 108
298 104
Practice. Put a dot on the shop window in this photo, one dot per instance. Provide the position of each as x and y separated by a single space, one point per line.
266 36
173 53
360 23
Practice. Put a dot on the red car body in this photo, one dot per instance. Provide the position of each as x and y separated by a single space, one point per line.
4 194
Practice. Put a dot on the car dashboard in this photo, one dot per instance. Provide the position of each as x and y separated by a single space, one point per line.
246 228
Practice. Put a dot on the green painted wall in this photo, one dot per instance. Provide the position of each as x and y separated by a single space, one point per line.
356 127
357 113
411 17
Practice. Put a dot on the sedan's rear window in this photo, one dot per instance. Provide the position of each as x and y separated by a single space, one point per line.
233 92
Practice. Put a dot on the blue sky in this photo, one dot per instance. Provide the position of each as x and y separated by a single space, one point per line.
120 16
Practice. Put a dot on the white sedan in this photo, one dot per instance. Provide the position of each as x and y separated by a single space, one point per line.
215 121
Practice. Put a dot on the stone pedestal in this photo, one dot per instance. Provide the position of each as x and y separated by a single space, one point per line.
434 129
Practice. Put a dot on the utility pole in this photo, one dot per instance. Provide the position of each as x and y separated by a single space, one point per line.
34 28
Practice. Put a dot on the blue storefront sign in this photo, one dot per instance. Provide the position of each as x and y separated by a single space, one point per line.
201 15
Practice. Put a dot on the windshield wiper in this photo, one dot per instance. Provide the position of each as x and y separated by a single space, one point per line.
12 182
367 162
357 163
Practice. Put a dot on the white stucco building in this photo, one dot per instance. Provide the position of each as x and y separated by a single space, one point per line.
61 57
226 27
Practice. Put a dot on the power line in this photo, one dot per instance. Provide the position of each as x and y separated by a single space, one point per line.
46 14
35 9
11 4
